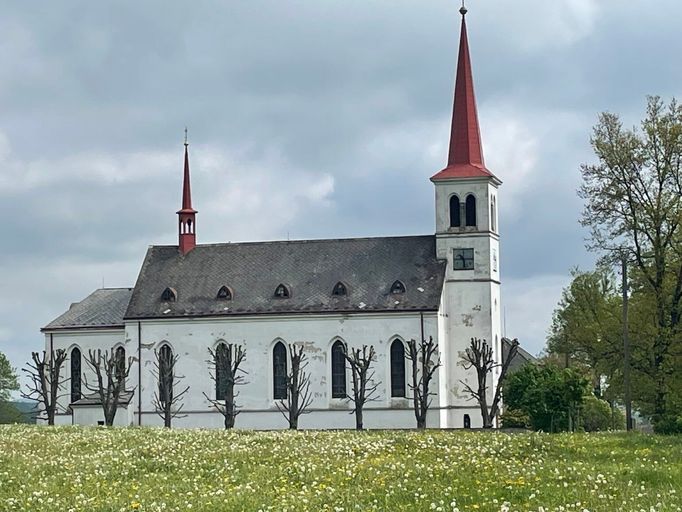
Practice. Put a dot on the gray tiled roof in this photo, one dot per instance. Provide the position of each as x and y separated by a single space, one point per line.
102 308
94 399
310 268
522 356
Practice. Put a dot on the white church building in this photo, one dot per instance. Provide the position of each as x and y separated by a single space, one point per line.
319 294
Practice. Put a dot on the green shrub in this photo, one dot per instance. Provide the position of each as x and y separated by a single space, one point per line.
668 424
596 415
513 418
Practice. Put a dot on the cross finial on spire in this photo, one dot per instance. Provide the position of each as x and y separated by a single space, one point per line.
463 10
186 143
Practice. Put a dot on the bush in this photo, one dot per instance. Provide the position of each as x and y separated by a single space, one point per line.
597 415
513 418
668 424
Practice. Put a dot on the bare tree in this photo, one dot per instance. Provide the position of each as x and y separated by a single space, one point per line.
479 355
299 396
225 371
167 401
425 361
364 386
111 372
45 382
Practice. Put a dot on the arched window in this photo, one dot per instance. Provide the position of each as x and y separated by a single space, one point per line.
470 210
120 356
221 371
165 374
168 295
398 287
279 371
282 292
397 368
493 219
224 293
340 289
455 217
75 374
338 370
467 421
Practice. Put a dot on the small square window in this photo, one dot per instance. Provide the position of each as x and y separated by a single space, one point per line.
464 259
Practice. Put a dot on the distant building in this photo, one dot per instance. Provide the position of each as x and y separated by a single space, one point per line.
521 358
322 294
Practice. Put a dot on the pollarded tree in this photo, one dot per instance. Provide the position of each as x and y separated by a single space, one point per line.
364 386
226 372
479 355
425 360
167 400
633 208
44 370
111 370
299 396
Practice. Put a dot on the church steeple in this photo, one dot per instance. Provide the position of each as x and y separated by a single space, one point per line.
465 156
187 215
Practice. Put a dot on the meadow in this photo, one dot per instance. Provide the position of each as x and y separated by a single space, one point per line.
98 469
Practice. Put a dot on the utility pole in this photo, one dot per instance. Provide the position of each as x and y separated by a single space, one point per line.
626 348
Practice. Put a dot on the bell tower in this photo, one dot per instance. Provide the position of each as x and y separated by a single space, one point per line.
187 238
467 237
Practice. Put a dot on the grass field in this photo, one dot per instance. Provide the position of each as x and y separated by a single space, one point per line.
94 469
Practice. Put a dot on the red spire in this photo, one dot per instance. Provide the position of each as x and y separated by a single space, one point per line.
465 158
187 215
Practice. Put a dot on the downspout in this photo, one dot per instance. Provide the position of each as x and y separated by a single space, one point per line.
421 322
139 374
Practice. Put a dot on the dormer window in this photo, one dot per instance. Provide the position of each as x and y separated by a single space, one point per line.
397 287
282 292
224 293
169 295
340 289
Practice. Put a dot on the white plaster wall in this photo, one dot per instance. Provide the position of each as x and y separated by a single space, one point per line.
93 415
191 338
85 339
470 303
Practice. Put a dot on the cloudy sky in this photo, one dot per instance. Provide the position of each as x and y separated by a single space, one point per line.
307 119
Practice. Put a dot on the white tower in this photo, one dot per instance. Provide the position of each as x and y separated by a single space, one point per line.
467 237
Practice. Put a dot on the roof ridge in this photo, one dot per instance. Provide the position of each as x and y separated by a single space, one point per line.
301 241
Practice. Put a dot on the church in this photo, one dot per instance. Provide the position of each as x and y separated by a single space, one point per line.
322 295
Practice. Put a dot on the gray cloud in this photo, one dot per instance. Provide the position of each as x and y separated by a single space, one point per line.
312 119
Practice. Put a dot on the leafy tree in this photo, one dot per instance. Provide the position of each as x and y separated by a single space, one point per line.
550 396
8 378
633 208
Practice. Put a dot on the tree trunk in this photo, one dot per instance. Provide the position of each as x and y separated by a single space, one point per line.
421 422
358 418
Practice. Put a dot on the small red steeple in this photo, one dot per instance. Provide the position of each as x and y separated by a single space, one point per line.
465 158
187 239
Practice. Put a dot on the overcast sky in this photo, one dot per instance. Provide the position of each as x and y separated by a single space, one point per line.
307 119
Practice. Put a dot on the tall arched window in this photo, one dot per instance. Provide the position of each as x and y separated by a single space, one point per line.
165 374
470 213
279 371
338 370
120 356
220 371
75 374
493 219
397 369
455 217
